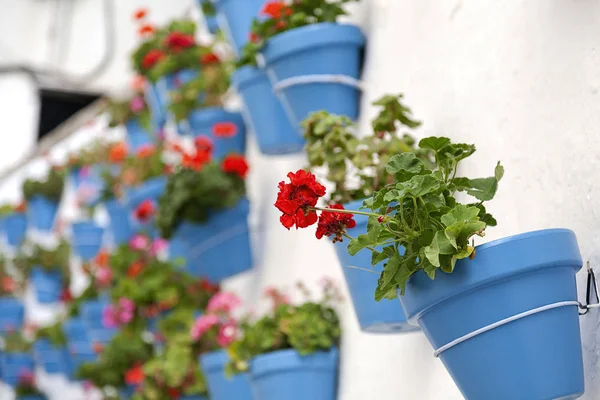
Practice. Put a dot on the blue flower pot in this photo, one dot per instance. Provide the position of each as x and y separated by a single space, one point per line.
285 374
91 314
76 331
220 387
12 312
13 365
264 113
220 248
54 360
120 226
127 392
156 105
152 189
47 285
538 356
86 239
376 317
41 213
235 18
15 228
81 352
317 49
202 122
137 136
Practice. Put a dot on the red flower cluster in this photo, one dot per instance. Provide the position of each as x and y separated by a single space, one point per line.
235 164
140 13
144 211
145 151
151 58
135 269
296 199
146 29
332 223
275 9
135 375
65 295
203 143
209 58
178 41
224 129
201 155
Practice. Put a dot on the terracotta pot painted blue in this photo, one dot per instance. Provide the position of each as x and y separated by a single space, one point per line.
202 122
81 352
47 285
285 374
120 226
235 19
156 105
221 387
14 365
538 356
15 228
12 313
41 213
137 136
218 249
76 331
264 113
86 239
376 317
317 49
54 360
152 190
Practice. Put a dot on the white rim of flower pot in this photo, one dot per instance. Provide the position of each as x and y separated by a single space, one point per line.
306 79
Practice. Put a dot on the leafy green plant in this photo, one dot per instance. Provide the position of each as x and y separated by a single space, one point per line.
51 187
35 255
15 342
26 386
208 8
331 142
11 284
309 327
95 153
142 166
193 195
283 17
53 333
90 293
121 111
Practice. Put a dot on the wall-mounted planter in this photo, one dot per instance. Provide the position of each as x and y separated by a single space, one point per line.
517 301
54 360
76 331
375 317
86 239
285 374
169 83
235 18
317 67
13 365
91 315
12 312
152 190
15 228
221 387
218 249
156 105
264 113
81 352
137 135
120 226
41 213
46 284
202 123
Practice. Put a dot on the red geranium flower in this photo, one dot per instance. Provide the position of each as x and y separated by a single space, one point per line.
145 151
135 375
145 210
208 286
332 223
209 58
224 129
235 164
140 13
134 269
276 9
174 393
65 295
195 161
203 143
146 29
117 153
177 41
97 347
8 284
254 38
296 198
151 58
21 207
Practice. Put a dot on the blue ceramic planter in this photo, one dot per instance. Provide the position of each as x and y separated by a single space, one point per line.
15 228
91 314
318 49
11 314
47 285
120 226
81 352
86 239
235 18
202 122
137 136
218 249
156 105
221 387
535 357
264 113
287 375
54 360
76 331
13 365
375 317
152 189
41 213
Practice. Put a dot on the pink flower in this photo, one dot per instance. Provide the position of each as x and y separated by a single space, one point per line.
203 324
26 377
87 386
158 245
139 242
227 333
86 193
114 316
126 310
137 104
109 317
223 302
104 276
84 171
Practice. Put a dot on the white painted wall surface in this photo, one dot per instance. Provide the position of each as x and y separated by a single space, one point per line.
518 78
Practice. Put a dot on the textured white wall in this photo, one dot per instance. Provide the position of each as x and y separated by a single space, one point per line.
518 78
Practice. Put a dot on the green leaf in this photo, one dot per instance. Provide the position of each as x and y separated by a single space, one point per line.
405 166
499 171
483 189
460 213
421 185
440 245
434 143
459 233
387 252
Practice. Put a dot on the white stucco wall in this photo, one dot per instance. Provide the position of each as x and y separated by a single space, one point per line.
518 78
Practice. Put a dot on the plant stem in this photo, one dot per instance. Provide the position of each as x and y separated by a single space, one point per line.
346 211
